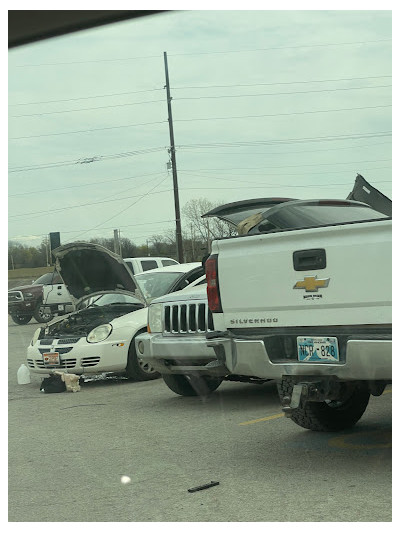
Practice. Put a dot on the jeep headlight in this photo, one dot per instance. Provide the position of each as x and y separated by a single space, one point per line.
35 336
154 321
100 333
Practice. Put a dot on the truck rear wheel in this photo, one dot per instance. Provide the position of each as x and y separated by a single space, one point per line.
191 385
41 316
328 415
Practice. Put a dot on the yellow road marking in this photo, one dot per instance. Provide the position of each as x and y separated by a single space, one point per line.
280 415
272 417
341 442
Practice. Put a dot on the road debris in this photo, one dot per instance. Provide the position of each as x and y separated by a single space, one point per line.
206 486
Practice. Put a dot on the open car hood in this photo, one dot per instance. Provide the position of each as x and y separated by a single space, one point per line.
88 268
252 216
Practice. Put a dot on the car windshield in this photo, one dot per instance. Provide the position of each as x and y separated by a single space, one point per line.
155 284
109 299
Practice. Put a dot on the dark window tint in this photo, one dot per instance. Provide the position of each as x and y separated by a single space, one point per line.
320 214
148 265
168 262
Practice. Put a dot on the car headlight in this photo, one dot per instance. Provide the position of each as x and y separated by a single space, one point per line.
100 333
154 321
35 336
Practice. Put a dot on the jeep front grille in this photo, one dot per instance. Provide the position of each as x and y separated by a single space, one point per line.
187 318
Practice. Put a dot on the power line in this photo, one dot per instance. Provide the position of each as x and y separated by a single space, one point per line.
87 61
84 205
109 227
327 138
203 119
103 96
197 87
286 152
276 83
86 160
84 185
129 206
282 48
85 109
199 98
284 166
207 145
284 114
280 174
279 94
86 131
320 45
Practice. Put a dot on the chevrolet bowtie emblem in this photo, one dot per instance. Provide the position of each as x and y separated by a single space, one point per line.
312 284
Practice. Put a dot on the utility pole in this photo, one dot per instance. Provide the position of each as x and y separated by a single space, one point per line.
173 162
117 242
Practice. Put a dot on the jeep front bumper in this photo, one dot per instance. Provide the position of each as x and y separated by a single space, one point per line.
176 354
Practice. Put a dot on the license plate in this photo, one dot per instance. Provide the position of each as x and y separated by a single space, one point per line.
60 307
51 359
317 349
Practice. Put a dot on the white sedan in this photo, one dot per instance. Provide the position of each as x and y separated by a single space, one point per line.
99 336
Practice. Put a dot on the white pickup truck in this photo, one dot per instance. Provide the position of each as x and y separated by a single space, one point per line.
303 295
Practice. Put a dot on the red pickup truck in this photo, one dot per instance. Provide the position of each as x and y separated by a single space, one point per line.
26 301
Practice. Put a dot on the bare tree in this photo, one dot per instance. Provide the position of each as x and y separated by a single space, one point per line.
207 229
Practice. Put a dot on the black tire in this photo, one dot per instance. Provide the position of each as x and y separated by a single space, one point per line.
20 319
328 416
40 316
137 369
191 385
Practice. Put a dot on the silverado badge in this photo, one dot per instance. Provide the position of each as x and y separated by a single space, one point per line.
312 284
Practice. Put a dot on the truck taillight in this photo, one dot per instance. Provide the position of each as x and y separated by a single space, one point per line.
214 300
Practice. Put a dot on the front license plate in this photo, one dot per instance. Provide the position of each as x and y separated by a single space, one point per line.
51 359
317 349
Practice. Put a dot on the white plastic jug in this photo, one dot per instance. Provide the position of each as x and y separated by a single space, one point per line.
23 375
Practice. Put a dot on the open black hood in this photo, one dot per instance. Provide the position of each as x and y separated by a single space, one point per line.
87 268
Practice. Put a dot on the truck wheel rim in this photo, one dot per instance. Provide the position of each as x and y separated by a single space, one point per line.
44 315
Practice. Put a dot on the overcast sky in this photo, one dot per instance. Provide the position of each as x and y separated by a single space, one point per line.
265 103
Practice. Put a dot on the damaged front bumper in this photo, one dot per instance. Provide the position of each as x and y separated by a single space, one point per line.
178 354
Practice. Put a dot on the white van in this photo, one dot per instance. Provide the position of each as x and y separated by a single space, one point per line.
141 264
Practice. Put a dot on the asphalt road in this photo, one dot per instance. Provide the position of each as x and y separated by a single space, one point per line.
70 453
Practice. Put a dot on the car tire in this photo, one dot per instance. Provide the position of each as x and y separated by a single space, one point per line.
328 415
20 319
191 385
137 369
40 316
